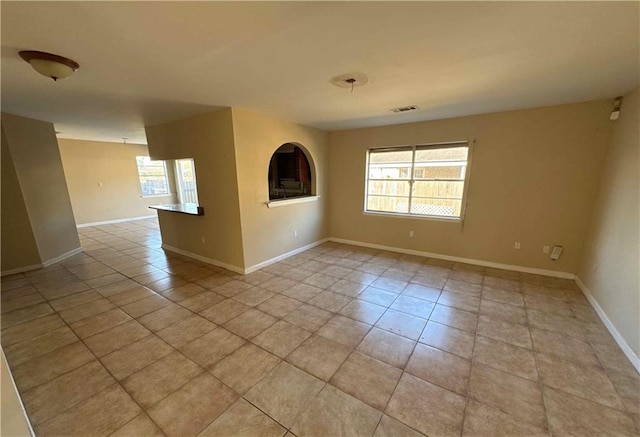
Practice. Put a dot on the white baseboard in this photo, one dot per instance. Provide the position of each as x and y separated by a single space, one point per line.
43 264
59 258
283 256
240 270
21 270
110 222
477 262
204 259
631 355
278 258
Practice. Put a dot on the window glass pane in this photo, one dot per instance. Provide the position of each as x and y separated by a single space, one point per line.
444 154
429 181
390 164
389 188
446 163
388 204
438 207
153 176
430 171
438 189
186 174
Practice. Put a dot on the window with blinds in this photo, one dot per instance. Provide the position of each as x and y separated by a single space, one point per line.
425 180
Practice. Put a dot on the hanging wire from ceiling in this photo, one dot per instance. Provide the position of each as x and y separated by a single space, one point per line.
350 80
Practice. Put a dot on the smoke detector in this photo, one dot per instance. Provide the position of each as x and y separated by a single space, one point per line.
350 80
405 108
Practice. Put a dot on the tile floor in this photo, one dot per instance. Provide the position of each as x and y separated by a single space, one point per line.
127 340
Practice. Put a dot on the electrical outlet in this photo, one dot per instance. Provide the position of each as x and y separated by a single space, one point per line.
295 234
202 239
545 249
516 246
410 234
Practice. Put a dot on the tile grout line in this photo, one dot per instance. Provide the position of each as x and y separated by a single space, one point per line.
369 330
264 412
204 370
606 372
416 343
472 363
354 348
540 383
580 365
626 409
117 382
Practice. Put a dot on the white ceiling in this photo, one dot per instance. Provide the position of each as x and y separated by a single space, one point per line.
143 63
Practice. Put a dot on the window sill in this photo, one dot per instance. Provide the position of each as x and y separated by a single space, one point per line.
285 202
414 217
148 196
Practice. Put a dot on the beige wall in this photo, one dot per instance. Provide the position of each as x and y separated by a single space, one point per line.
610 268
533 179
208 139
269 232
19 247
36 159
103 180
232 149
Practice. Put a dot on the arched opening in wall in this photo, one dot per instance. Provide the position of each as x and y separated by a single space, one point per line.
290 173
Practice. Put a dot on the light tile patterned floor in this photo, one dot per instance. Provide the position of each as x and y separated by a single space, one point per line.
126 340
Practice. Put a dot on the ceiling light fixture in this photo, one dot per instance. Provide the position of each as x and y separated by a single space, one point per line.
350 80
50 65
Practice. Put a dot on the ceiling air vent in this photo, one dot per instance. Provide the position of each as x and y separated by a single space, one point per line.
405 108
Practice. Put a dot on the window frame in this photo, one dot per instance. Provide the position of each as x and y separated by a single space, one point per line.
411 180
180 182
166 177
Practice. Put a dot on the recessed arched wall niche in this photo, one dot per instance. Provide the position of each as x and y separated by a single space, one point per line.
291 173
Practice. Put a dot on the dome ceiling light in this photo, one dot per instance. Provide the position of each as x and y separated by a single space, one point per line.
50 65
